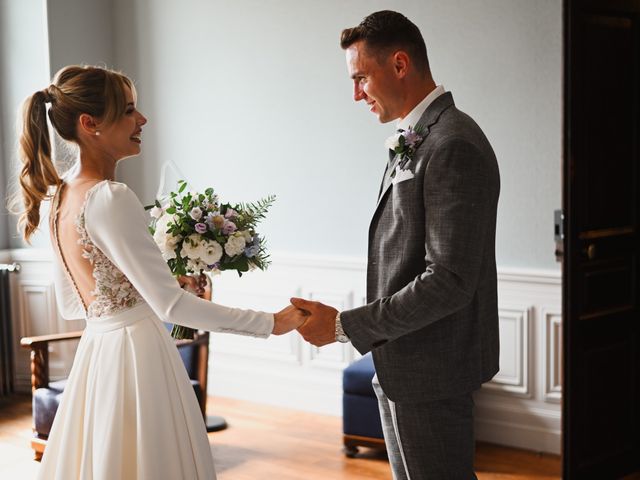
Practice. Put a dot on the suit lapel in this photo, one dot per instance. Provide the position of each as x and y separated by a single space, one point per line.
429 118
390 164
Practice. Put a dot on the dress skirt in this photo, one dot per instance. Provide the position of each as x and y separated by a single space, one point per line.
128 410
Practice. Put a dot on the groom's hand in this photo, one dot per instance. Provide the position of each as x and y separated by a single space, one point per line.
320 327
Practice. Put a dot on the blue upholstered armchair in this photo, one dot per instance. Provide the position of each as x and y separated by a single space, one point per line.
46 395
361 418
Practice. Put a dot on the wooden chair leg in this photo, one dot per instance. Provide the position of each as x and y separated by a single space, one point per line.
352 442
350 451
38 445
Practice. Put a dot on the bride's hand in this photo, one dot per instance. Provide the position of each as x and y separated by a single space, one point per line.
288 319
199 285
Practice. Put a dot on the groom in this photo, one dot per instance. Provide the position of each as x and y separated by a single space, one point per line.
432 318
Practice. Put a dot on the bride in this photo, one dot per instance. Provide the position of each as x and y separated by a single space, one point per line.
128 411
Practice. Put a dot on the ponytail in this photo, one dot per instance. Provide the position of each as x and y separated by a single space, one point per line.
38 173
75 90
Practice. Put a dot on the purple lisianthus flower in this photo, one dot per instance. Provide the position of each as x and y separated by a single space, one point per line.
411 137
201 227
253 248
229 227
230 213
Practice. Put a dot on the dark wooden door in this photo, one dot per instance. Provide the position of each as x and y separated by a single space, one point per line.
601 316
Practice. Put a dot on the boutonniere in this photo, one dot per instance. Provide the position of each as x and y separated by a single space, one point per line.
404 144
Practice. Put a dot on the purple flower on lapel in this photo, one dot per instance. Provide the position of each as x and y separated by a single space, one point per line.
405 143
411 138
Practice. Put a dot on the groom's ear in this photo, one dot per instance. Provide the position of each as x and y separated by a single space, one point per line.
401 63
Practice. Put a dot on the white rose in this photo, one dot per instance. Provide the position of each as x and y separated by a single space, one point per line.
166 241
196 213
156 212
192 247
235 245
211 252
393 141
196 265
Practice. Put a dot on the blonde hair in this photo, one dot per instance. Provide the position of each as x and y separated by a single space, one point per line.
75 90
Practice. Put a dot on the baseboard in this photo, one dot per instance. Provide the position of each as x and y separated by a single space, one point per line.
525 436
293 390
528 424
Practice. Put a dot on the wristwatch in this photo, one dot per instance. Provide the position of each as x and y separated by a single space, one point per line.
340 335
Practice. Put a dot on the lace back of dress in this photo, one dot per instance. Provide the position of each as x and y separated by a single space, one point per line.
101 287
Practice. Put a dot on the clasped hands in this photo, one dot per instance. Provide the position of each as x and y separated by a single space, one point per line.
315 321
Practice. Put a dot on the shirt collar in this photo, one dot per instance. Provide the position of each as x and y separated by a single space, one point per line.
415 114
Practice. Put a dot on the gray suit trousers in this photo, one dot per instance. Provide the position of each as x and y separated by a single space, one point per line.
430 440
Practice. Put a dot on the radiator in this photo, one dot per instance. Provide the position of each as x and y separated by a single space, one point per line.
6 339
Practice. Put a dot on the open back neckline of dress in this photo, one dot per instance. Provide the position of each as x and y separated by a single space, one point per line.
56 207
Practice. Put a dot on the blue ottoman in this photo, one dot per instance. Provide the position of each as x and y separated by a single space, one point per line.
360 418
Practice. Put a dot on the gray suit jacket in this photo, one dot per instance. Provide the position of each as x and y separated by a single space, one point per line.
432 314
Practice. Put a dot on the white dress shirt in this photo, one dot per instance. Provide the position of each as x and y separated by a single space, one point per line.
415 114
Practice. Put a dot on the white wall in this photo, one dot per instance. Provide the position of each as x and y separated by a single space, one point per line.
37 38
4 218
80 32
253 98
23 70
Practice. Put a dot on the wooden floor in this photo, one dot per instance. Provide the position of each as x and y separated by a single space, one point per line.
273 443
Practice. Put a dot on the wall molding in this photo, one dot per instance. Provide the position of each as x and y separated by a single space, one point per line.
553 355
515 369
530 276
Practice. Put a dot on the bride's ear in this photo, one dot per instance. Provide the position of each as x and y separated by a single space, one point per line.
88 125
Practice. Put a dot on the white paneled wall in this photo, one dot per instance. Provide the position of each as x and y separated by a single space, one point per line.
520 407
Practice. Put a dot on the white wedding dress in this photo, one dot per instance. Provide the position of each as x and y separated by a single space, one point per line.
128 410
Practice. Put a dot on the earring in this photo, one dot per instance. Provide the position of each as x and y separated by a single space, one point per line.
97 133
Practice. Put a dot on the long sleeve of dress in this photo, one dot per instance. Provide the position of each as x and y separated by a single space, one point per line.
117 224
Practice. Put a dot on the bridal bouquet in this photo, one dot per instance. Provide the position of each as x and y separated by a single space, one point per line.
197 233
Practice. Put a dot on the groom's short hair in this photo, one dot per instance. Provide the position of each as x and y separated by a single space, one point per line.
386 31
